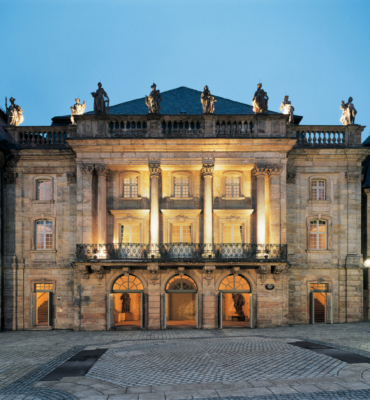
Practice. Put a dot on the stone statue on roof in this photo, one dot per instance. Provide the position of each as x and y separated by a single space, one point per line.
101 106
14 113
153 100
287 108
260 100
349 112
77 109
208 101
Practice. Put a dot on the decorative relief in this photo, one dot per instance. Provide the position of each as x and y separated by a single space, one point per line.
126 271
129 218
209 269
181 270
264 270
233 218
84 269
260 169
153 269
290 177
278 270
87 169
10 177
155 169
101 170
235 271
98 271
208 169
71 177
181 218
352 176
275 169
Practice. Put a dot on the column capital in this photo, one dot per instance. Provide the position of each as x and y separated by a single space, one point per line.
207 169
275 169
155 169
352 176
260 169
101 169
87 169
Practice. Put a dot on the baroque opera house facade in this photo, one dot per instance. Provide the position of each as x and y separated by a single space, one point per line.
180 209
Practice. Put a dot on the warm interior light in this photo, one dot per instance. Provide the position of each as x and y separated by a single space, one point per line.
367 263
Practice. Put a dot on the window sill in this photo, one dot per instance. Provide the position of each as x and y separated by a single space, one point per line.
233 198
319 251
43 251
43 201
318 202
129 198
181 198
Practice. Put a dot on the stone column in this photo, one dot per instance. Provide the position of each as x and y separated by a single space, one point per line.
260 170
155 172
102 172
86 222
275 204
207 172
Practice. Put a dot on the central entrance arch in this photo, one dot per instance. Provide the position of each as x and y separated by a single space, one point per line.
126 303
235 302
181 303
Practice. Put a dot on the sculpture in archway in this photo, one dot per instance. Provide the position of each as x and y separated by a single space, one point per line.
126 302
239 302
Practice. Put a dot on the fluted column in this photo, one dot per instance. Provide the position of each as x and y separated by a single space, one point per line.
275 203
260 171
102 172
207 172
155 172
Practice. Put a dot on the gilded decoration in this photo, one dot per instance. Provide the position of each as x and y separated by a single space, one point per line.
208 169
155 169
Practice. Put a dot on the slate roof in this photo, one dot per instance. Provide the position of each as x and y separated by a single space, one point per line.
182 100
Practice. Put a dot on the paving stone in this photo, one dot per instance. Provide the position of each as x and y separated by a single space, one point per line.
283 389
230 392
355 385
139 389
260 383
123 397
306 388
178 395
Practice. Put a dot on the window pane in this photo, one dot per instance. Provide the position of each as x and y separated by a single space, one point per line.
232 187
176 234
318 190
238 234
43 190
136 234
226 234
130 187
186 234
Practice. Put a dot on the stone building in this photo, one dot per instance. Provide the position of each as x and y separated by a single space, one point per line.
181 219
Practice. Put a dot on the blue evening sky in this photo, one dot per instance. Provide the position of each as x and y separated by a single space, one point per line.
316 51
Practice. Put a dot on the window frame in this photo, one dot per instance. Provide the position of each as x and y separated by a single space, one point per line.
317 189
130 226
43 217
327 223
44 234
181 226
130 175
35 180
328 188
233 174
182 174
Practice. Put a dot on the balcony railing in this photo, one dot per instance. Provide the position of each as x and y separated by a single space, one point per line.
182 251
40 136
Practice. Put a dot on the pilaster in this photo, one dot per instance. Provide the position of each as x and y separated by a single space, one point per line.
207 173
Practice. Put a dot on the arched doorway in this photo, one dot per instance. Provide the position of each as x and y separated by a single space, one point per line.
126 303
235 302
181 303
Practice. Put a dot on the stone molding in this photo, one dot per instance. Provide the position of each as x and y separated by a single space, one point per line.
153 270
278 271
235 271
275 169
352 176
84 269
98 271
71 177
101 170
181 218
260 170
207 170
209 269
264 270
126 271
87 169
233 218
290 177
10 177
155 170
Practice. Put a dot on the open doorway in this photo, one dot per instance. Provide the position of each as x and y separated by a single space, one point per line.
126 303
42 305
235 303
181 303
321 310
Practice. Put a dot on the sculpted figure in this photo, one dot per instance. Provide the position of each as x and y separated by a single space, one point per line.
239 302
260 100
77 109
287 108
208 101
153 101
126 302
99 103
14 113
349 112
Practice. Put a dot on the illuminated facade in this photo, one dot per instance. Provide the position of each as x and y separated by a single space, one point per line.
182 219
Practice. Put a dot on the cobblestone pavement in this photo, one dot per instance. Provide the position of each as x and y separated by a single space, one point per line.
257 364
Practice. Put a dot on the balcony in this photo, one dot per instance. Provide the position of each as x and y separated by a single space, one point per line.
192 252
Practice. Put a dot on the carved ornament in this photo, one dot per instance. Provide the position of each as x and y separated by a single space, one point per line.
233 218
153 269
264 270
154 100
209 269
235 271
14 113
275 169
101 170
278 270
260 169
129 218
84 269
181 270
208 169
87 169
208 101
155 169
352 176
181 218
71 177
126 271
10 177
98 271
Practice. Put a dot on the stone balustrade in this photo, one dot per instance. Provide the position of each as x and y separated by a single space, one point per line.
40 136
327 135
123 126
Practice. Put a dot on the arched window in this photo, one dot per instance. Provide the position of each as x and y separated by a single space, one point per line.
128 283
43 190
181 282
44 235
235 283
318 234
317 189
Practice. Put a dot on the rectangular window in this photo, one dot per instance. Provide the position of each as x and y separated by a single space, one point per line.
319 286
44 235
181 187
318 235
232 234
130 187
181 234
232 187
317 190
43 287
130 233
43 190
